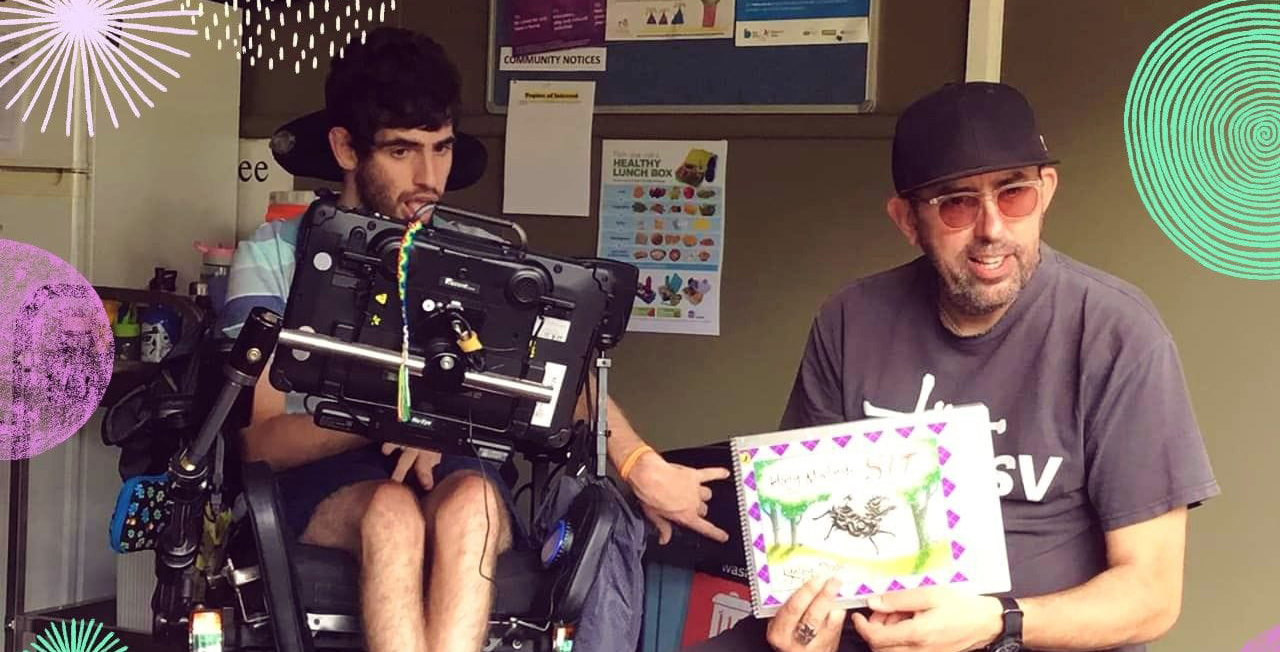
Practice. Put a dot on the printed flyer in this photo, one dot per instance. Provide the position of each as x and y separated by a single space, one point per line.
546 25
649 20
802 22
662 209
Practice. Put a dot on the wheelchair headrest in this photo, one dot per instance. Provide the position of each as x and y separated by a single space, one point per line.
302 148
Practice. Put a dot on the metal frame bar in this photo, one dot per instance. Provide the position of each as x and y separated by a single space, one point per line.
16 559
386 359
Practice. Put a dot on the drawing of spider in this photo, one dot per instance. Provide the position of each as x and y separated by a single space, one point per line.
859 525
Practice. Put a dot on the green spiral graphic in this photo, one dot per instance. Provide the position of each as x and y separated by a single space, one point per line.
1202 130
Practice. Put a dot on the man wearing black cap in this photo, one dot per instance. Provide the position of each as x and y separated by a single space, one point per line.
1098 454
388 134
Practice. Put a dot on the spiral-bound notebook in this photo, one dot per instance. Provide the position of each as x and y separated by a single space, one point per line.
884 504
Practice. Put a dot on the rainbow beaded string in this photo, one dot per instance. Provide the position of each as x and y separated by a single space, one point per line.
403 405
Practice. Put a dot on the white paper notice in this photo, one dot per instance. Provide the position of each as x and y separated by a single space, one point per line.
548 153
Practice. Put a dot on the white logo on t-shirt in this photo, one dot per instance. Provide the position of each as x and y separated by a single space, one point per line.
1035 487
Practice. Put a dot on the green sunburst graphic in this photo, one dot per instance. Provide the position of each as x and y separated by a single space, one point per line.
1202 130
76 636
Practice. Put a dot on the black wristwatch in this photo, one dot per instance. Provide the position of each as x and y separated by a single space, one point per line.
1010 638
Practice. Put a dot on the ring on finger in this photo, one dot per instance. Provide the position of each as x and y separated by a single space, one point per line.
805 633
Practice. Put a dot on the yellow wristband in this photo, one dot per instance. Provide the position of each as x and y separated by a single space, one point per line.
631 460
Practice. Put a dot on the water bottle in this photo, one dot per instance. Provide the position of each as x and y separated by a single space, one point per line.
161 325
215 269
127 333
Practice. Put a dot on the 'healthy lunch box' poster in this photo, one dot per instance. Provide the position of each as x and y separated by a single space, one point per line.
662 209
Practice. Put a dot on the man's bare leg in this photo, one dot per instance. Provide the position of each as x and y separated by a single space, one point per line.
393 538
336 521
372 521
459 597
381 523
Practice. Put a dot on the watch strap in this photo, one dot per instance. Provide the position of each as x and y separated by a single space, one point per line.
1010 637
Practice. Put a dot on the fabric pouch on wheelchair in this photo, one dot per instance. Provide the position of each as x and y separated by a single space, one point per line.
142 509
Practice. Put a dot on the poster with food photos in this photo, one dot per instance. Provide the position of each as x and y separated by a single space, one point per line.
662 209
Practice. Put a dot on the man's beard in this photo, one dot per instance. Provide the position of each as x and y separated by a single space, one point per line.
970 295
375 192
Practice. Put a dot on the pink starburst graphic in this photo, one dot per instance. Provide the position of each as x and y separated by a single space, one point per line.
83 44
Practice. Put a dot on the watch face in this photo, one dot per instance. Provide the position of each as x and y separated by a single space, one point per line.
1007 645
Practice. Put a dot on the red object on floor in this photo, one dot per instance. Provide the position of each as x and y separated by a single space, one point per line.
715 604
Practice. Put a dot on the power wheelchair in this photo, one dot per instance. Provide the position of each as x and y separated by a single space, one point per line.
228 576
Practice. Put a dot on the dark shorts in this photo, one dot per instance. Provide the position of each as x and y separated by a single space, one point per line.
302 489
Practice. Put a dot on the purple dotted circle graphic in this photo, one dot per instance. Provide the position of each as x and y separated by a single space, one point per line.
56 350
1268 641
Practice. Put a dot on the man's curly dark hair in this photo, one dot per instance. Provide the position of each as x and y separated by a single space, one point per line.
396 79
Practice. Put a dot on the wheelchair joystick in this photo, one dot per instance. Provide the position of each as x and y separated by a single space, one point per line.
445 368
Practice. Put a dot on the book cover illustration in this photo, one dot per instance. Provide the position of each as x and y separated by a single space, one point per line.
885 504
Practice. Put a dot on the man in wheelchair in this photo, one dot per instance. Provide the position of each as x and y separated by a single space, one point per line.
398 490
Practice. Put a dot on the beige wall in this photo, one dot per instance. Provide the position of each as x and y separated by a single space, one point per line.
805 204
159 170
1075 60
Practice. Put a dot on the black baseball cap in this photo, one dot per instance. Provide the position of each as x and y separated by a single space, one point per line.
302 148
964 129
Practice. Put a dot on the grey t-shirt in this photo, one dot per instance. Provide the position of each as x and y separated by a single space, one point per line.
1092 425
